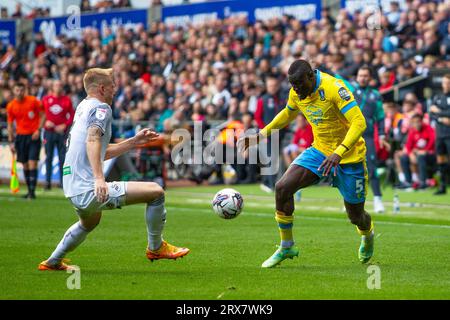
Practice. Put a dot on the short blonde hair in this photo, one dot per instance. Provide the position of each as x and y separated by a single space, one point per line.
95 76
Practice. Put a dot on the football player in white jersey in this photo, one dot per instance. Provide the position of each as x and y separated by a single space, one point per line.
84 183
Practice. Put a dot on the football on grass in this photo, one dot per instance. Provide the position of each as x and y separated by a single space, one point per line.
228 203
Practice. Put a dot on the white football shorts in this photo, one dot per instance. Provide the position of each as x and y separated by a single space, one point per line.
86 203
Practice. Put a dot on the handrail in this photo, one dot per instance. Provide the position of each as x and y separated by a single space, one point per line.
396 87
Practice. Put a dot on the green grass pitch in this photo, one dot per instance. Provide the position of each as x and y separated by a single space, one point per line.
412 250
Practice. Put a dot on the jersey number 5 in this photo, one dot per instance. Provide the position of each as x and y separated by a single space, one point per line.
359 186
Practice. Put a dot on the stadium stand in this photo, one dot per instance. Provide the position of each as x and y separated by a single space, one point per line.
169 76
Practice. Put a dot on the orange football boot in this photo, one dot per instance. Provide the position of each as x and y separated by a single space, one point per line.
63 266
167 251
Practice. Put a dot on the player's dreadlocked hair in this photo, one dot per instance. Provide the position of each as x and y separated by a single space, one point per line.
298 69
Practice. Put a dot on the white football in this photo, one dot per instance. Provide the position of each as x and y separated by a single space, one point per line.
228 203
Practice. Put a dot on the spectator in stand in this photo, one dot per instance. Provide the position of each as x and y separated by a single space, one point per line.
418 154
38 45
221 95
268 107
393 16
18 12
301 140
409 109
445 45
387 80
392 124
122 4
440 113
161 112
3 13
85 6
59 115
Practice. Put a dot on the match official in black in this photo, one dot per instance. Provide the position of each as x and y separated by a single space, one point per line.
440 112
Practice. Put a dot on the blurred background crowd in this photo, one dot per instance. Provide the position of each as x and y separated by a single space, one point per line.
232 73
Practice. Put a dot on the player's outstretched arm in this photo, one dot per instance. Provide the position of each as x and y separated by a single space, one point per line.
142 137
281 120
94 150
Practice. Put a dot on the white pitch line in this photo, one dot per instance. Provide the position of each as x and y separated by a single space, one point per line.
305 207
440 226
262 215
262 197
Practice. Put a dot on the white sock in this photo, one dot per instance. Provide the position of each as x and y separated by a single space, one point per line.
377 198
155 216
73 237
401 177
415 177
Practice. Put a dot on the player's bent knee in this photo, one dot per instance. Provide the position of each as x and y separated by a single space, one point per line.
155 191
355 219
281 190
91 222
356 216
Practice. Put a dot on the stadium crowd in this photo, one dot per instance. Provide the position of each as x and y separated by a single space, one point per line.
230 70
85 6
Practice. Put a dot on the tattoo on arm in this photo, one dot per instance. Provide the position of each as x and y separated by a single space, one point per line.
94 134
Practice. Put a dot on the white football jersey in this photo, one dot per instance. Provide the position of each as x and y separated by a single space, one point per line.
77 172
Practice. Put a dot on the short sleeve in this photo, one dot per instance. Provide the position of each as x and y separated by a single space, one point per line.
9 112
99 117
342 97
292 104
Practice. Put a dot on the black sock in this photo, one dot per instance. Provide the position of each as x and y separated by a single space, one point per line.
33 180
443 169
27 178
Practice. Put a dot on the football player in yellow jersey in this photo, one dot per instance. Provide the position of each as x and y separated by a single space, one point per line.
338 150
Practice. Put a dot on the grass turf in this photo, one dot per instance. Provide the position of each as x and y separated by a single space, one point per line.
412 250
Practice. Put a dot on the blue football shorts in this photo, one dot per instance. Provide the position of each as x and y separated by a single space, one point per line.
351 179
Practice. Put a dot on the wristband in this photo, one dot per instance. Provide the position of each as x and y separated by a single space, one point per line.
340 150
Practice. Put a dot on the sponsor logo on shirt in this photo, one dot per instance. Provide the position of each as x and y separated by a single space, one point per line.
55 109
67 170
314 114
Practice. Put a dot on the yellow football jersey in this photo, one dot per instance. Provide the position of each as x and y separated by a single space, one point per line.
327 110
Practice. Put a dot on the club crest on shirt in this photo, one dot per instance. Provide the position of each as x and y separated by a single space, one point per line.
31 115
343 93
100 114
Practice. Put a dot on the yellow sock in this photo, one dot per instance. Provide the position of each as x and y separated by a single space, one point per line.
365 232
285 224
